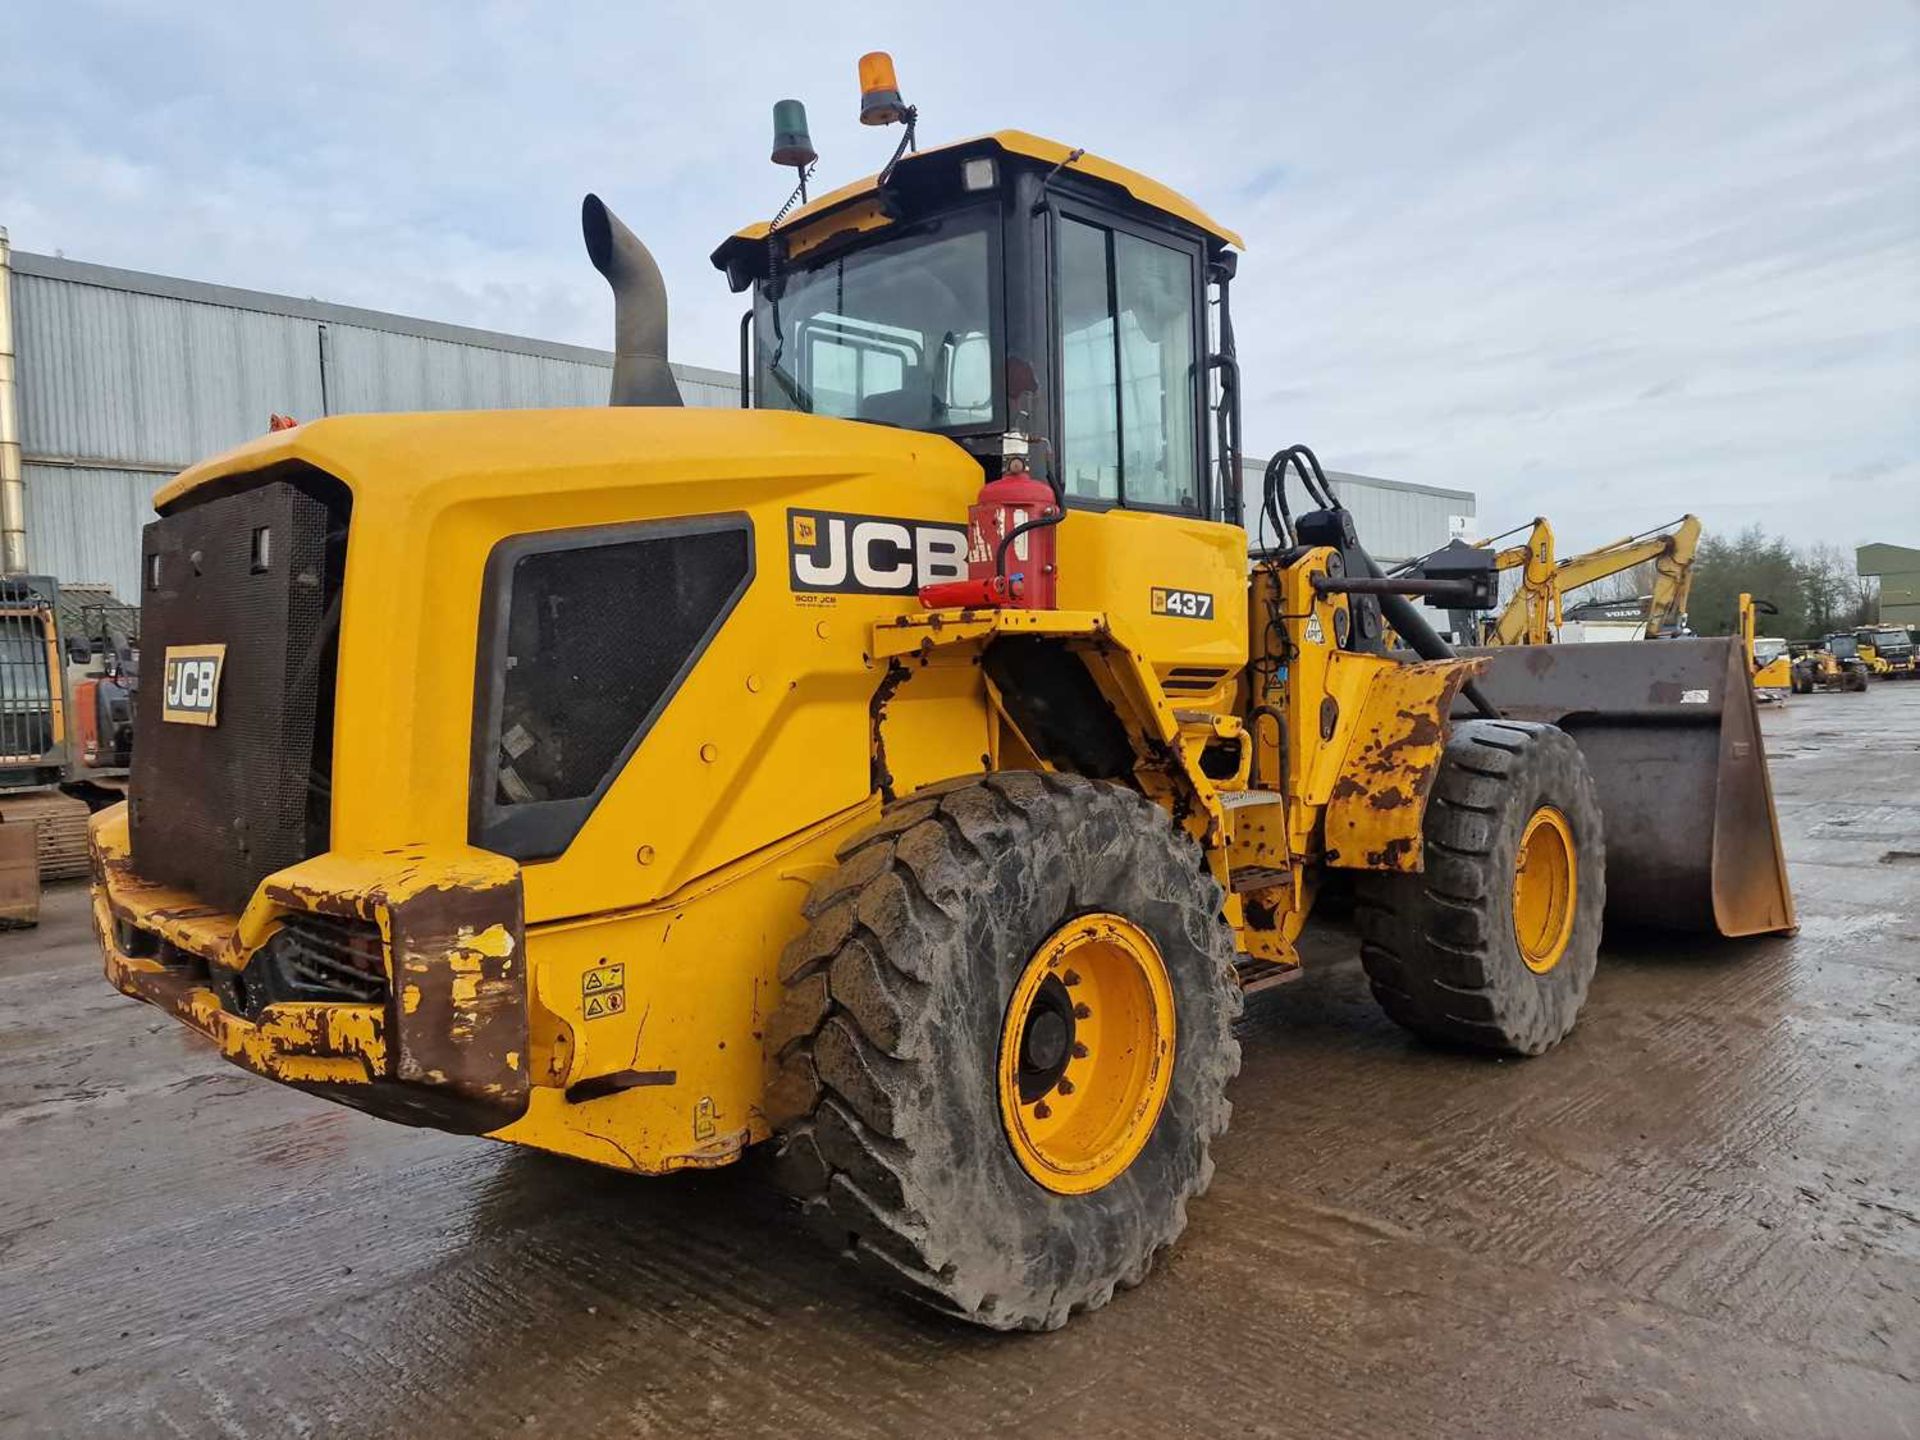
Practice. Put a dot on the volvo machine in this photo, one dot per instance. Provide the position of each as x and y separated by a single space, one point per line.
951 780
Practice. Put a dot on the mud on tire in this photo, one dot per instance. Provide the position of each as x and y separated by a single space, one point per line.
1440 948
886 1044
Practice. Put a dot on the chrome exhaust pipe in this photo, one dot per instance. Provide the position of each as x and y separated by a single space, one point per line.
640 372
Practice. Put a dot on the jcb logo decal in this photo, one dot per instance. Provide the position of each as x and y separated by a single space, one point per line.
191 692
871 554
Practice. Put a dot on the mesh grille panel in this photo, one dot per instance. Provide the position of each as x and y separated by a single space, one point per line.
217 807
590 635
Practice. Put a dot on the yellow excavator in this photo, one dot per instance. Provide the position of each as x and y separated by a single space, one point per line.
1535 613
951 779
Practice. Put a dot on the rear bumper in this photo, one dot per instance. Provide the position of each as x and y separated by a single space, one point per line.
446 1045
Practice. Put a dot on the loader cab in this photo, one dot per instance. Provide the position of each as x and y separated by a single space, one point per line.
1026 301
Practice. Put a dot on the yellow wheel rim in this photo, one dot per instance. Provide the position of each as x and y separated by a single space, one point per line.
1544 884
1086 1053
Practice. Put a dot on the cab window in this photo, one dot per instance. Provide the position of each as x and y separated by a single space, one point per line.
899 331
1129 382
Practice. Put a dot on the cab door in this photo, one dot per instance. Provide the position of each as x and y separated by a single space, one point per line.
1142 540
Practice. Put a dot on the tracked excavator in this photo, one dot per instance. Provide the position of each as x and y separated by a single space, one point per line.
954 779
1535 612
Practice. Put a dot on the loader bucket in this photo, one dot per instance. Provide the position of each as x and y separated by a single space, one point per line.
1671 734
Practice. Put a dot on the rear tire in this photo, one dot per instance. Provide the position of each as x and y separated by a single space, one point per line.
888 1091
1442 949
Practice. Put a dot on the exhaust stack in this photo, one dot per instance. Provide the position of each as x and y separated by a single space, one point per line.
640 373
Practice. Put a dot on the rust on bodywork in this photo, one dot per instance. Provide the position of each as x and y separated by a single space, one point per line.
1379 799
460 983
449 1045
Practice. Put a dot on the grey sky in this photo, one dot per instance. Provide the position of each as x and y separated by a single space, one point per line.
1603 261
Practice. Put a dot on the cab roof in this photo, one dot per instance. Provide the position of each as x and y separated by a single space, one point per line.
1019 143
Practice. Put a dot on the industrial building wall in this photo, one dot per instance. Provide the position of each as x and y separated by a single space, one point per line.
1897 567
1397 519
124 379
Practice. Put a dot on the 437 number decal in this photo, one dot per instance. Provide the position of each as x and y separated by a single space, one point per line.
1185 604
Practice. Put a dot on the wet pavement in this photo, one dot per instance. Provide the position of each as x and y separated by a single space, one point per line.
1698 1217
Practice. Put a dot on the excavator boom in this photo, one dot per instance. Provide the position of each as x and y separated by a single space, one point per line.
1532 616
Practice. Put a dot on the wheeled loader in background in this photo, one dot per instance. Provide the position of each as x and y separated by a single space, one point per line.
1832 664
953 779
1888 651
1767 655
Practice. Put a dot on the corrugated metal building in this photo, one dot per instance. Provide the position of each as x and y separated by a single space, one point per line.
1397 519
123 379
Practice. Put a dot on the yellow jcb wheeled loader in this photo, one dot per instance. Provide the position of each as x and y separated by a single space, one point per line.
1831 664
597 781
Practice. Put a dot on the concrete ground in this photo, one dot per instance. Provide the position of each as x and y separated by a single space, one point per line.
1698 1217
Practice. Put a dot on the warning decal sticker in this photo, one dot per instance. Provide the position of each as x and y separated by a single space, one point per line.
603 991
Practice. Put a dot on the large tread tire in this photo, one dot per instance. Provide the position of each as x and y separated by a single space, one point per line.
885 1045
1439 947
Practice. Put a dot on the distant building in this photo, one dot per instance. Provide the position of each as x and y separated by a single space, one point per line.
1897 567
1397 519
123 379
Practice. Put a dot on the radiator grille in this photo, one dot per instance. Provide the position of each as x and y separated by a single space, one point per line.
316 957
217 807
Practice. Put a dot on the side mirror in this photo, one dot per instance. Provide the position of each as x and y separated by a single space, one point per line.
969 377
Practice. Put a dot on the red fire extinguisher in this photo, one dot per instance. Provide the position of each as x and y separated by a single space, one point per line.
1010 548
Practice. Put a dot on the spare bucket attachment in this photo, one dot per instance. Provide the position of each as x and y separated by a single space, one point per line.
1671 733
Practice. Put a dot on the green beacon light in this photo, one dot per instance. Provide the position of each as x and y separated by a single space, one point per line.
792 145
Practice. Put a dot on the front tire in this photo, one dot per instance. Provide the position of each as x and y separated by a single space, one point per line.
916 1131
1495 944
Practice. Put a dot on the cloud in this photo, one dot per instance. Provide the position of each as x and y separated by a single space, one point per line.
1601 262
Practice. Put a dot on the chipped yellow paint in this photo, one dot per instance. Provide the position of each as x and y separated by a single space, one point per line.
294 1042
409 998
495 940
465 962
1376 809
